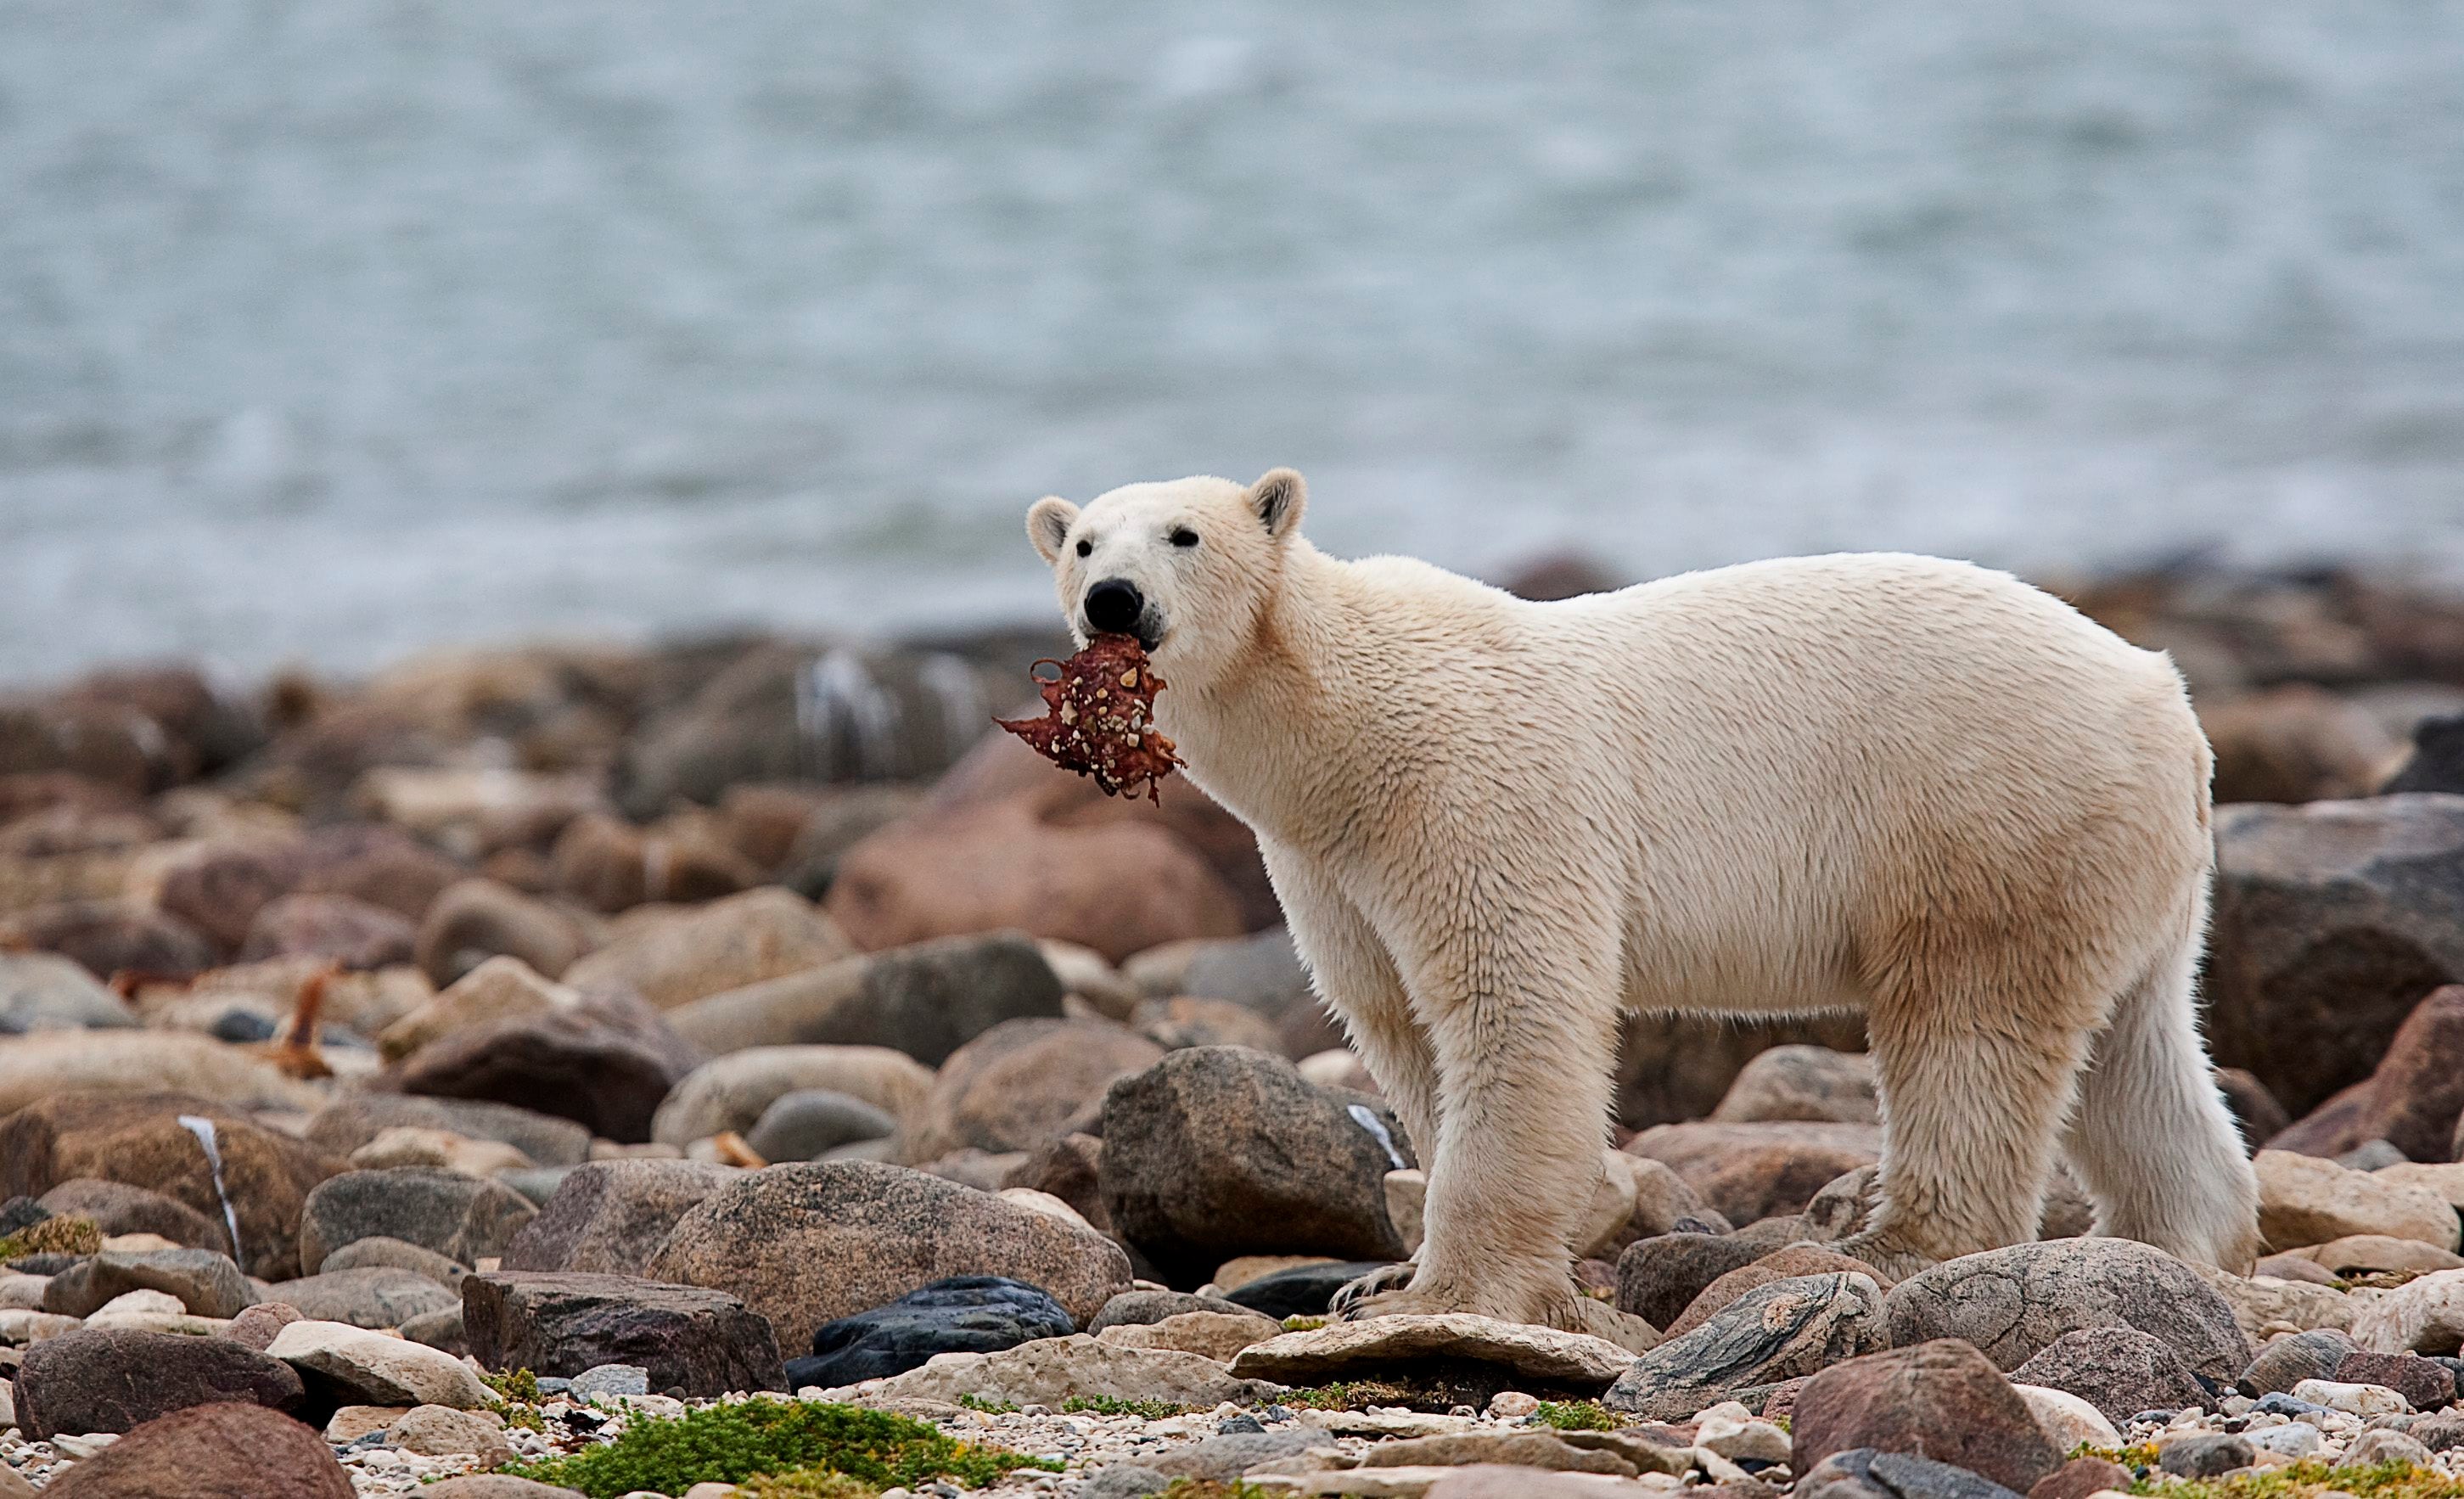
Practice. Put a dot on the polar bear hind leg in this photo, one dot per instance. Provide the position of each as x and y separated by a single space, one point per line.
2151 1138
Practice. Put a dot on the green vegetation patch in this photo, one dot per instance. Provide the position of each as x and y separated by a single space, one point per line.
1210 1488
2305 1481
976 1402
1107 1405
811 1484
519 1391
1580 1416
1300 1324
771 1438
64 1234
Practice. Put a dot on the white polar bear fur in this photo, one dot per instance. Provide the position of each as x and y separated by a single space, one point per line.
1906 785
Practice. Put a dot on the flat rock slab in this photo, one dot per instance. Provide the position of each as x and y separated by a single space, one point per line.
1052 1370
1541 1356
371 1368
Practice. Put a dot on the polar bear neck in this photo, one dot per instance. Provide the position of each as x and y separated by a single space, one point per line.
1272 736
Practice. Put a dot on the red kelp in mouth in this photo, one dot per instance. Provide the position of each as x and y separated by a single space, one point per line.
1100 718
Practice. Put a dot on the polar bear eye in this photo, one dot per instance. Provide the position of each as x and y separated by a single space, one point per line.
1086 547
1182 535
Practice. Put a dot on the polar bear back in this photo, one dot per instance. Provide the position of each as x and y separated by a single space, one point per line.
1779 768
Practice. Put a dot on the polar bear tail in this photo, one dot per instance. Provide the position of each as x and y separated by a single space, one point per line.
2151 1137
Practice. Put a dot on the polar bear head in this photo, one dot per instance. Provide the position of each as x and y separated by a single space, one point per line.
1186 566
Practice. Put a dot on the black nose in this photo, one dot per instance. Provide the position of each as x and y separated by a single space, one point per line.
1113 607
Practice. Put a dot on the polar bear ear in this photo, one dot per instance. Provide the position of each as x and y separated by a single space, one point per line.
1047 525
1278 499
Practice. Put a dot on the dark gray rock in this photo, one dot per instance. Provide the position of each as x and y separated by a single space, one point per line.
462 1218
352 1122
609 1217
2332 920
926 998
380 1296
962 1314
2119 1370
2205 1456
1137 1308
118 1209
207 1284
705 1342
117 1379
44 991
439 1330
804 1124
1125 1481
1863 1473
377 1250
1217 1151
2014 1303
2287 1362
1658 1278
1770 1333
1305 1291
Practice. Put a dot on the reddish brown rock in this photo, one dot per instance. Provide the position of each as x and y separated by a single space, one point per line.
606 1062
138 1139
804 1245
2411 1100
608 866
476 919
1015 1087
351 932
108 936
1070 1168
117 1379
220 887
1759 1170
610 1217
225 1451
1658 1278
1116 887
1940 1399
2083 1476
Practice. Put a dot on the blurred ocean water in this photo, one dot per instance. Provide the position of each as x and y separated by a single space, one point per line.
332 328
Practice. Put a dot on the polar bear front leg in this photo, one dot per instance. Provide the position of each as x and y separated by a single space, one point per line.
1355 978
1523 1023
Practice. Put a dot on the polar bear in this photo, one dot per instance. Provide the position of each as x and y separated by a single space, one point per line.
1904 785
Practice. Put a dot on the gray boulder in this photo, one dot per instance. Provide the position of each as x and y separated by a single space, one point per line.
2014 1303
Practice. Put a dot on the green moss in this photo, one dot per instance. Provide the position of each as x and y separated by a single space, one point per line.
1303 1324
732 1443
1107 1405
519 1391
976 1402
64 1234
1209 1489
2305 1481
811 1484
1579 1416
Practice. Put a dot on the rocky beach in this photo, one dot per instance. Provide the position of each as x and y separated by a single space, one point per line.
726 1067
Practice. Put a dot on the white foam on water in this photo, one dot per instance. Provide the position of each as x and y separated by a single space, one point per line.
203 1130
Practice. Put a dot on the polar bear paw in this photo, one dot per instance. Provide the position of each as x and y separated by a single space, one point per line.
1382 1281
